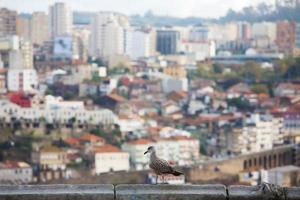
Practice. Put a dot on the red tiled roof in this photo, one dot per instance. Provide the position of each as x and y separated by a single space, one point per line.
108 148
116 97
141 141
91 138
8 164
72 141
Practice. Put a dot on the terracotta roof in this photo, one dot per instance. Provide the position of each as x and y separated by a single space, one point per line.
116 97
107 148
8 164
72 141
141 141
91 138
50 149
175 138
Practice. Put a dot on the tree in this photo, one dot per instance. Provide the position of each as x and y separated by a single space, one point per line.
218 69
240 103
251 71
260 88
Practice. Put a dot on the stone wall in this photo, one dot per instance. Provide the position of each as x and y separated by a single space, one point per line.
145 192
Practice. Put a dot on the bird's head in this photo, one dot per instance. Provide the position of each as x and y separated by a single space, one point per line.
150 150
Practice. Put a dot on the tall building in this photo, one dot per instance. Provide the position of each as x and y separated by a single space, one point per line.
22 80
297 41
108 34
244 31
285 37
8 19
260 132
39 28
24 27
167 41
199 34
61 19
138 43
264 29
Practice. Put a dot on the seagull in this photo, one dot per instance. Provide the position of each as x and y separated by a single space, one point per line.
160 166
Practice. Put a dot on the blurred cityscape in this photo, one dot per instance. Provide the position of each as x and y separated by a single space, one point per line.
83 95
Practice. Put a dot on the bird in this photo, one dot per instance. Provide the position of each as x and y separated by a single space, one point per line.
160 166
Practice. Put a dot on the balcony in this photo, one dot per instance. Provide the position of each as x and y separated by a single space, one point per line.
144 192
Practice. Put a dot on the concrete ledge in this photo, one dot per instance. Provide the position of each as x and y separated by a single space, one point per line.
246 192
145 192
293 193
263 193
172 192
57 192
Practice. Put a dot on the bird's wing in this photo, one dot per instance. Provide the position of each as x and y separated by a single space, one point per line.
161 166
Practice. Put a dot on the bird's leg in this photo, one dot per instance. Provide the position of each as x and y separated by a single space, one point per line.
156 179
163 179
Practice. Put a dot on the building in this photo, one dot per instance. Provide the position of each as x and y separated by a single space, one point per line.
175 71
3 88
199 34
109 158
285 176
285 37
50 157
136 151
180 150
264 29
15 172
108 34
39 28
139 43
22 80
261 132
244 31
24 27
200 50
61 19
58 114
167 41
297 41
170 84
8 22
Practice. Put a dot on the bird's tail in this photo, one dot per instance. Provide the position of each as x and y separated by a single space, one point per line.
177 173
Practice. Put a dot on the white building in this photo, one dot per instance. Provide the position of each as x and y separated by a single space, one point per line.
56 114
130 124
136 151
170 84
260 132
200 50
108 34
264 29
20 54
12 172
39 28
109 158
22 80
61 19
179 150
199 34
285 176
138 43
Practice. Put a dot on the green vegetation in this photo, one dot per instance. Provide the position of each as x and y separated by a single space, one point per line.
240 103
260 88
112 136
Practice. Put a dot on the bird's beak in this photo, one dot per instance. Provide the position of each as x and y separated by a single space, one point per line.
145 152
